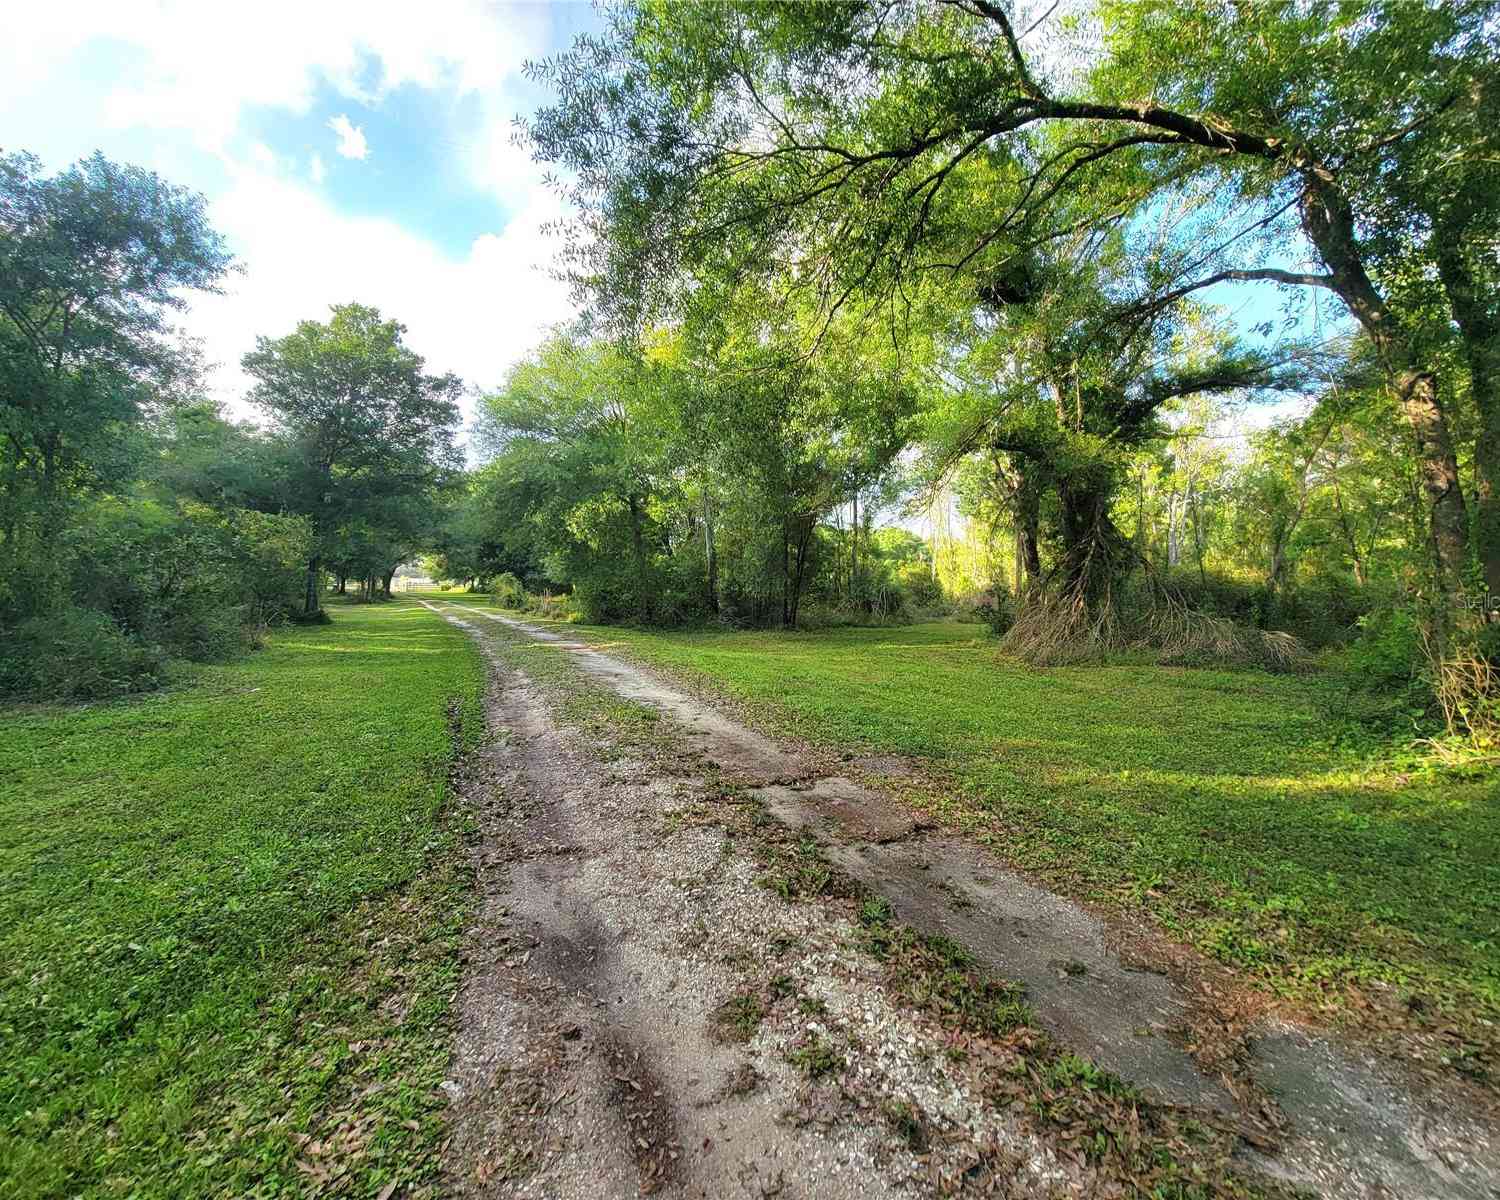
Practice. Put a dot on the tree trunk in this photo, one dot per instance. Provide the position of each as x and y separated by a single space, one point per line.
1354 555
1329 223
1196 509
1028 502
1140 511
1479 328
854 550
1440 483
793 603
1277 567
343 581
711 552
389 575
1096 555
638 549
1487 505
786 575
310 596
1174 551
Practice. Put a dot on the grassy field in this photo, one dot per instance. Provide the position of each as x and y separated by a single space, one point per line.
1233 806
229 919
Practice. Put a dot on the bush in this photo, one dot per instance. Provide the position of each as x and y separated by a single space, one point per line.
77 654
508 591
1388 651
140 579
270 553
921 589
1324 613
206 632
609 597
997 609
554 608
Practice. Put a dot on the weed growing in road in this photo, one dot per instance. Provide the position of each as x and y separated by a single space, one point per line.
938 976
800 870
737 1019
909 1123
815 1056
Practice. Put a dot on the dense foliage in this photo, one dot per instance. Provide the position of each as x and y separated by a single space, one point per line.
972 257
848 272
138 524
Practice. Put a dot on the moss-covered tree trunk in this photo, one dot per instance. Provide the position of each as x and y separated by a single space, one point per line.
1478 318
1096 555
1329 222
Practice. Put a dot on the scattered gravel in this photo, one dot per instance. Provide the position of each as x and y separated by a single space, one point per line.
616 921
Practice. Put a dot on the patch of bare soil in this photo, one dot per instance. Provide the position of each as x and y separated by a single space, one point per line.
641 1014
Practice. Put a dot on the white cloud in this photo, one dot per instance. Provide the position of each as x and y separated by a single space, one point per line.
201 66
188 74
352 142
474 316
263 155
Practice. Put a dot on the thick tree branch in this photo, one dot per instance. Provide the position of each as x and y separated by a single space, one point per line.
1157 303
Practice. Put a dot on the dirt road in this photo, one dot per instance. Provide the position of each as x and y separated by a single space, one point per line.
641 1012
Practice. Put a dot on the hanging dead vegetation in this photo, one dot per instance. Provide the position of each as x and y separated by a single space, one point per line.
1059 627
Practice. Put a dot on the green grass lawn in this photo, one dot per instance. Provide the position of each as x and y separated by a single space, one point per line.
1231 805
229 917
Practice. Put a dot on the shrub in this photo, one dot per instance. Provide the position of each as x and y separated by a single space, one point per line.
997 609
554 608
916 580
1466 686
270 557
77 654
607 598
1387 654
508 591
1321 613
208 631
141 579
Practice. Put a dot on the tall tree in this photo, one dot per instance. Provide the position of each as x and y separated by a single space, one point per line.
577 442
367 423
92 263
1069 390
1432 221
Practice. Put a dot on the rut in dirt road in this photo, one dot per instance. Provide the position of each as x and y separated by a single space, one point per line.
620 945
595 1056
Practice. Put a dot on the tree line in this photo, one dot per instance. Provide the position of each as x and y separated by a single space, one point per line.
980 249
833 262
141 524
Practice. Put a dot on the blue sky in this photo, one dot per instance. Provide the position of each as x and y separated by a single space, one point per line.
347 151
